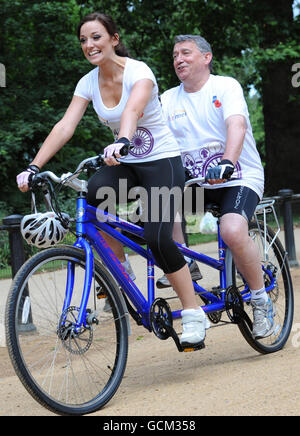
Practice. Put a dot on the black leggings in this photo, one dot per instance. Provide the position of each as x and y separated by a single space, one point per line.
160 212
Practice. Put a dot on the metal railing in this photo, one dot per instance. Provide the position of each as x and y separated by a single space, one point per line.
16 243
286 197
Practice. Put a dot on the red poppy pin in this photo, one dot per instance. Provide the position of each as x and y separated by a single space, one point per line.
216 102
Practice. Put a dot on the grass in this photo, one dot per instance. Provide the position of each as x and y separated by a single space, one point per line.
200 238
5 272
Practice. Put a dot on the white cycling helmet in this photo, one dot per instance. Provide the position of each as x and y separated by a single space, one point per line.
43 229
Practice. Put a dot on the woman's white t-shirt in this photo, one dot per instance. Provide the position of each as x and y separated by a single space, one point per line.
197 121
153 139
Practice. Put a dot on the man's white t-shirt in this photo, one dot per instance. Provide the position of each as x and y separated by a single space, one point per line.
197 121
153 139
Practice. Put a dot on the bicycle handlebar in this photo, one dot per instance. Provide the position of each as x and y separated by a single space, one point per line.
201 180
70 179
197 180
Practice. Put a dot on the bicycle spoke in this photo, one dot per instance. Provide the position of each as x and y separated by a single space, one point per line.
70 367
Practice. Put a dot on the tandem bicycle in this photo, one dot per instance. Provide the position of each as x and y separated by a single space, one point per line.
71 354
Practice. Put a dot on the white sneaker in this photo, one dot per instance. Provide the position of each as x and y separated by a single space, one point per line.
263 318
194 324
163 282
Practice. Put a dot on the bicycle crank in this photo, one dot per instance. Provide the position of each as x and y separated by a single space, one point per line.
161 320
234 305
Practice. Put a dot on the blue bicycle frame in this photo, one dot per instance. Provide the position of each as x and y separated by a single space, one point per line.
90 221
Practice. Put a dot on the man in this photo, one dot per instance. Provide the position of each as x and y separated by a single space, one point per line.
208 116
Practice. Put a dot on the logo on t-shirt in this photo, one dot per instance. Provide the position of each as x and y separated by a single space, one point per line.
178 114
142 142
216 102
203 157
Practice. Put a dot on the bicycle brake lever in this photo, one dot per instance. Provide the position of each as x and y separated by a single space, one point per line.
95 163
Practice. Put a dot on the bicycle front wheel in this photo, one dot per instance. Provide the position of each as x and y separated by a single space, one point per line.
68 372
274 262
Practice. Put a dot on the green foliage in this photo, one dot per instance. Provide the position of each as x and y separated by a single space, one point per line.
43 61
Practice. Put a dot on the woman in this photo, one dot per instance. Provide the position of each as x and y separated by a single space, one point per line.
125 97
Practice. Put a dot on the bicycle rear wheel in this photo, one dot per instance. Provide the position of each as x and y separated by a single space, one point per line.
275 264
68 373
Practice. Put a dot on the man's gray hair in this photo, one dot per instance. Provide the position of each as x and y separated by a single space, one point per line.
200 42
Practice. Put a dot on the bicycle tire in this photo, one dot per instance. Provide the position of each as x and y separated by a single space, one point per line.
281 296
66 373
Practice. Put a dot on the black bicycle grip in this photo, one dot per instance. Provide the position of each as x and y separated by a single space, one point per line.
35 180
125 150
126 147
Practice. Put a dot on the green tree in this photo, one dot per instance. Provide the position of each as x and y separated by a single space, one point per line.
256 41
278 51
43 60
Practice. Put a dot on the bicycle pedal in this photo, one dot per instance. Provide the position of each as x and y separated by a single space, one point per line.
189 348
100 296
183 347
100 293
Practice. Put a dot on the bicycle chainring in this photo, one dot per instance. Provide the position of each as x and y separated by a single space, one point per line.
215 317
161 318
234 304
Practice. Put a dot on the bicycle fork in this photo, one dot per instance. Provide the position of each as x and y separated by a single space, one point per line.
89 269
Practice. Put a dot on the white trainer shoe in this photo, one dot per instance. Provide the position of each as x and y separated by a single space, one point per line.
263 318
194 326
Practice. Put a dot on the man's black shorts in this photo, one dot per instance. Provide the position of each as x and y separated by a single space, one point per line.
233 199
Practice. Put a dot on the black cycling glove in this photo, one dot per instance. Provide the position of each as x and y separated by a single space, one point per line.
223 170
125 149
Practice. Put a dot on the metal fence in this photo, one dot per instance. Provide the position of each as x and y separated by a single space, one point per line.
16 244
285 201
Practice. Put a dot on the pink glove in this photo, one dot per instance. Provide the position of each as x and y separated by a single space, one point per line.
23 177
112 151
